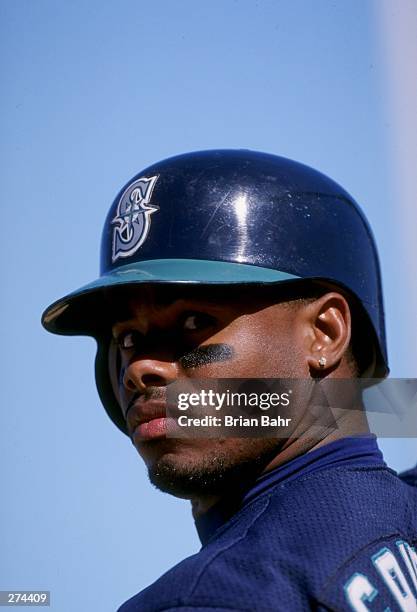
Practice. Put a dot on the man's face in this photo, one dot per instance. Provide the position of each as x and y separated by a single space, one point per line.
168 334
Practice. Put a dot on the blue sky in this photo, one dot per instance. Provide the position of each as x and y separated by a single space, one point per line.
92 93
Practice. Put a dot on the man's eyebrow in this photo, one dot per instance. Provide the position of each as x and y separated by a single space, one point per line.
126 313
118 302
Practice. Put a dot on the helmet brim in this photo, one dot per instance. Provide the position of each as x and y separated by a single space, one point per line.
76 313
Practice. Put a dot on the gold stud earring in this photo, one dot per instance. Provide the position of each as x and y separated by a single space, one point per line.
322 362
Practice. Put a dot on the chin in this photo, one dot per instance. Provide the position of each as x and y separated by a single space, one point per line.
211 467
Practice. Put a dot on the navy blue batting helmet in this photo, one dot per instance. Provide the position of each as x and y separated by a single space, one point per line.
227 217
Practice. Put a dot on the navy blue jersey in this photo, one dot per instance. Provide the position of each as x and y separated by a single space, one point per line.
334 529
410 477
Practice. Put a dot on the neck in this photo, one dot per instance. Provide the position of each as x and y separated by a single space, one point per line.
201 505
350 423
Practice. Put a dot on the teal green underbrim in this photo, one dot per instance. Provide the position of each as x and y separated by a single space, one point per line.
58 318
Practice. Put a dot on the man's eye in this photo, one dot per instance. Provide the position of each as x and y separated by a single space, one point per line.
126 340
197 321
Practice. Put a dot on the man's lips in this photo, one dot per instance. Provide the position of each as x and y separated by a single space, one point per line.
146 419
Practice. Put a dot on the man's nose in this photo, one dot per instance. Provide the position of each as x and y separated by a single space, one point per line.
142 373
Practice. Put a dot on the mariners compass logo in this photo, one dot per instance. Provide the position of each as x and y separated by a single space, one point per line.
132 221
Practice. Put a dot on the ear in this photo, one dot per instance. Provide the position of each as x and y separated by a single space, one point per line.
327 325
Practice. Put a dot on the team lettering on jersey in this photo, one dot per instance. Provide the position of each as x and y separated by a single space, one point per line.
398 572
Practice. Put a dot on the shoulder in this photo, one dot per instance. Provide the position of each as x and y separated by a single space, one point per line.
227 574
361 529
410 477
340 510
347 495
302 542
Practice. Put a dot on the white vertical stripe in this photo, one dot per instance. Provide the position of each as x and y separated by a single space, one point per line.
397 25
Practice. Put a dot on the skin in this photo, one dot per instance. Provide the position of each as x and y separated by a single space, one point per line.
166 334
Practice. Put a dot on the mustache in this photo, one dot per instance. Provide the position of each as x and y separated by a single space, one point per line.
150 393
